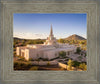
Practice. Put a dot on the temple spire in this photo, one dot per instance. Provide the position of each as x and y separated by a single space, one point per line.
51 31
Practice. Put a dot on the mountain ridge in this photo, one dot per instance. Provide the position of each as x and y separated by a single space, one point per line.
71 37
75 37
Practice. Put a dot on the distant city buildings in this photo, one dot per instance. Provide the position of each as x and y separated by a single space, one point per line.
49 50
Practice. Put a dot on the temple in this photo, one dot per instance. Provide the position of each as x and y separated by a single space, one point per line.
51 40
49 50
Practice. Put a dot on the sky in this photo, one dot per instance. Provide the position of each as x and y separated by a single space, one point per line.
37 25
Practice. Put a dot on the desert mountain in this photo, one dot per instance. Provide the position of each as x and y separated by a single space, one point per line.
75 37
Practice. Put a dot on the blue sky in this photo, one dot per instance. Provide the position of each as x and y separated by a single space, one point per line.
34 26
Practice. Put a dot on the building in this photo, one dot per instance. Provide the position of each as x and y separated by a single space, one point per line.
49 50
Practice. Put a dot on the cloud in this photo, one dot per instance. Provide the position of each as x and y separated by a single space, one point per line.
28 35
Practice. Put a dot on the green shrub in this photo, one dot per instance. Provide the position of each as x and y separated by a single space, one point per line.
34 68
22 66
31 59
45 59
83 66
48 63
15 63
80 57
76 64
22 59
70 64
62 53
69 67
78 50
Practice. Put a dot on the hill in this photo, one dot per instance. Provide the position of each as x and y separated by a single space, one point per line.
75 37
16 38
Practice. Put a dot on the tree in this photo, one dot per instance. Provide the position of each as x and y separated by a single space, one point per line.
62 53
61 41
78 50
70 64
83 66
76 64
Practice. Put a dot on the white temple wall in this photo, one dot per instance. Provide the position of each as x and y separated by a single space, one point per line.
26 54
40 54
51 54
45 55
33 54
18 50
45 52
